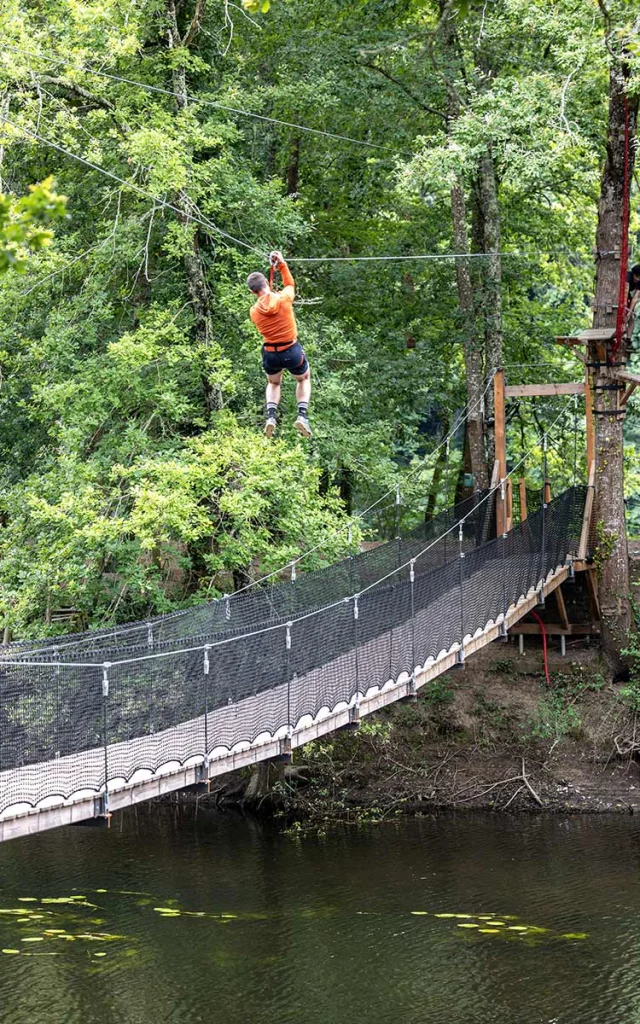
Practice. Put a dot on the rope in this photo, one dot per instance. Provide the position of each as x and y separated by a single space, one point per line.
204 222
624 247
430 256
207 103
210 226
294 563
308 615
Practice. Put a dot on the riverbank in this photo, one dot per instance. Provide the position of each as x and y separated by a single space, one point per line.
492 736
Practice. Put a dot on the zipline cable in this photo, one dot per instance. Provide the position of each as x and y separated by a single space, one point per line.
210 226
209 103
203 221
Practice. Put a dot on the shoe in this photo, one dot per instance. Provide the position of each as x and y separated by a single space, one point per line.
302 426
270 426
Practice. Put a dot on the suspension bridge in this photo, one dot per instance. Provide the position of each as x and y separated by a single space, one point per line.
97 721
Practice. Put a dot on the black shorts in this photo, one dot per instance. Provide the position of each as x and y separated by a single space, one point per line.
292 359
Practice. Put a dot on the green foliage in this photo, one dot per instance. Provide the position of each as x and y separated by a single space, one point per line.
554 718
377 729
629 693
133 475
578 681
25 224
605 547
438 693
106 537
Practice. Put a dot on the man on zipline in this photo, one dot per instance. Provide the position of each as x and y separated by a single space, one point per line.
274 317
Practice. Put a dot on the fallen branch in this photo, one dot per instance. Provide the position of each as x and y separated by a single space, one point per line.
625 746
529 786
513 796
522 778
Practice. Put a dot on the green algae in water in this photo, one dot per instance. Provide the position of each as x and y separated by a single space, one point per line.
419 913
466 926
11 952
575 935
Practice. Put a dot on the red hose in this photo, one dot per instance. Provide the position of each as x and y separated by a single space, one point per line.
544 647
624 244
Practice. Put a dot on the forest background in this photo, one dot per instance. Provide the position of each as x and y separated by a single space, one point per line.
134 477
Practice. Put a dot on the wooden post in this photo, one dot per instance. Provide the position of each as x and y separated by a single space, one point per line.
588 509
547 491
562 609
591 437
501 450
523 500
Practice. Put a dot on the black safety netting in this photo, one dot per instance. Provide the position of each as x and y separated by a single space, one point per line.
533 498
72 727
275 600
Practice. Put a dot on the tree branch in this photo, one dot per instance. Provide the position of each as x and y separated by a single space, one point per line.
194 27
79 91
408 92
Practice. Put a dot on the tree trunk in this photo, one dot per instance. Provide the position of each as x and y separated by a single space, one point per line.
434 490
293 170
473 354
193 264
473 362
609 510
492 278
345 484
4 110
263 778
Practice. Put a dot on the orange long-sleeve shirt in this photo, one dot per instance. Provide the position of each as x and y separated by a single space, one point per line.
274 317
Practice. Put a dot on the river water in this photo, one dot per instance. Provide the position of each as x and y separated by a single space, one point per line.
166 918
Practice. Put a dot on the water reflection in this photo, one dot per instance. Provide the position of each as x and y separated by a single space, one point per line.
453 920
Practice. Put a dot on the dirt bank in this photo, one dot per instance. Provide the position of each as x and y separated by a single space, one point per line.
492 735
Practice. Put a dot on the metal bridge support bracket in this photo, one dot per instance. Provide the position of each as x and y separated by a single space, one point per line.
541 597
202 783
459 658
354 719
411 696
504 632
284 754
101 815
